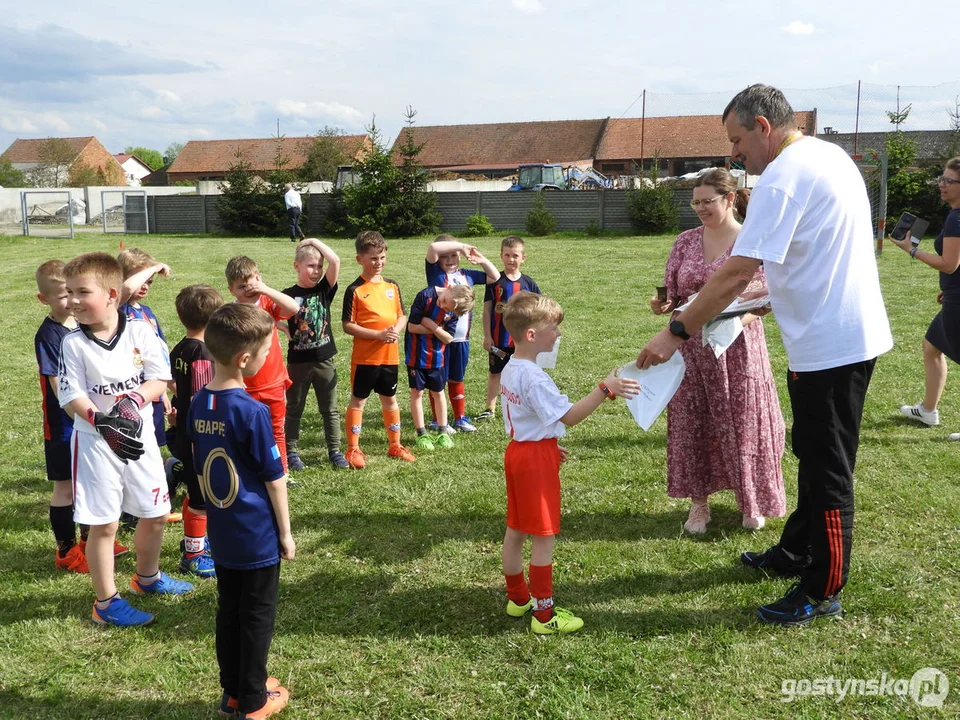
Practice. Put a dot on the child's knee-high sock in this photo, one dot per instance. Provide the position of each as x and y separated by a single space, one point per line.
194 530
541 587
517 589
458 401
354 424
391 421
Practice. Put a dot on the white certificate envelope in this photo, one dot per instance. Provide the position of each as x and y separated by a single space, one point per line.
658 384
720 334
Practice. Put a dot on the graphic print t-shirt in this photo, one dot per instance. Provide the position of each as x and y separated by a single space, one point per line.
311 339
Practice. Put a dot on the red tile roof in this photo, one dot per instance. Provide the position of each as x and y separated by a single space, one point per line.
216 156
28 151
688 136
559 141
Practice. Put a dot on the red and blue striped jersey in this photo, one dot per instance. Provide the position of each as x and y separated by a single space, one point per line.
426 351
437 277
498 294
57 425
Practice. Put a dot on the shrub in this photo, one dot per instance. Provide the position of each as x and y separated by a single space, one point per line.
540 221
592 229
479 226
652 206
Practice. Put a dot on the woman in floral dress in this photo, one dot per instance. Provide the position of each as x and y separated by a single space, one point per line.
725 430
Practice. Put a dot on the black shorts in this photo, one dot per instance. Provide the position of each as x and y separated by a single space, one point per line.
434 379
944 331
498 364
57 455
381 379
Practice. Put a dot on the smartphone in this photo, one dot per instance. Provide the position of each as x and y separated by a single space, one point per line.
661 293
903 225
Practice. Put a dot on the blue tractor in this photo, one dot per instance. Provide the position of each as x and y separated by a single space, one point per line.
540 177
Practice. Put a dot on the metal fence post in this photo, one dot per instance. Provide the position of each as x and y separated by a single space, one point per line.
882 204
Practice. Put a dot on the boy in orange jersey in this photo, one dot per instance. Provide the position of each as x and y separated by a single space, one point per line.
373 314
269 385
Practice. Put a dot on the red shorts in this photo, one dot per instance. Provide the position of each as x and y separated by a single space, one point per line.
533 486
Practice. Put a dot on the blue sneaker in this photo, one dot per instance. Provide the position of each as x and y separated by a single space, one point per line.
121 613
165 585
338 461
796 608
434 426
200 565
463 424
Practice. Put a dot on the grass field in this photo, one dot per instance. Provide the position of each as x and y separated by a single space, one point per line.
393 607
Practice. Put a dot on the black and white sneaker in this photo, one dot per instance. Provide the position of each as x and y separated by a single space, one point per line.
797 608
921 414
776 561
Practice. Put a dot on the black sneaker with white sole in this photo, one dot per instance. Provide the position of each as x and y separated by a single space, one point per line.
798 608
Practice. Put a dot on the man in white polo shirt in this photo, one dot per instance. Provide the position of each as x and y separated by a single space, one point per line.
291 198
809 225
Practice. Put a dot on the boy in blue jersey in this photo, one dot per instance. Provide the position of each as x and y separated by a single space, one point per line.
496 338
248 521
139 269
431 326
443 270
57 425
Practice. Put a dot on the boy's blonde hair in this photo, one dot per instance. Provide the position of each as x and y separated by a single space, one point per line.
235 328
104 269
527 310
463 299
195 304
445 237
369 240
133 260
240 268
48 274
305 252
512 241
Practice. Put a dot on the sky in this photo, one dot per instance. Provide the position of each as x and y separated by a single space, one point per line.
150 73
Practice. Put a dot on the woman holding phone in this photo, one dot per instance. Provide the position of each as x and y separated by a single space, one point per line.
943 335
724 426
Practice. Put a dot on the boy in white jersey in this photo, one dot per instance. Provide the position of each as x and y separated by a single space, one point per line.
535 415
111 369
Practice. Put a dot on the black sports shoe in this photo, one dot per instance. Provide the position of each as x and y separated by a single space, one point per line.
294 463
776 561
796 608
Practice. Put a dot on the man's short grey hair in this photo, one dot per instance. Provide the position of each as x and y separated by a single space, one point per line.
761 100
288 186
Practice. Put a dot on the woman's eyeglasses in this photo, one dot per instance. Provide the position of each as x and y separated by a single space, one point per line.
697 203
942 180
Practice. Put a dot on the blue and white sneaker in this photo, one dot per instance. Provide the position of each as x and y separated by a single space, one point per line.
164 585
796 608
463 424
200 565
338 461
121 613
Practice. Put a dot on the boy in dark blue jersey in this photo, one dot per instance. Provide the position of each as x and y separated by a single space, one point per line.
192 367
496 338
248 521
443 270
431 326
57 425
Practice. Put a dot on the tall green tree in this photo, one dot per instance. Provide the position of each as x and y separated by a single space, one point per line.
170 154
415 208
10 176
324 156
55 155
153 158
240 205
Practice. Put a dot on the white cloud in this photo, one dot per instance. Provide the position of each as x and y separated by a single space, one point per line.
169 97
151 111
319 111
799 28
530 7
17 124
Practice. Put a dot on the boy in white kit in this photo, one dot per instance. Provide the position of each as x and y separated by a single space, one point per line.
111 369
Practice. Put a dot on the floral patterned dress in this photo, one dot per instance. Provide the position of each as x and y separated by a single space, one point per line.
725 430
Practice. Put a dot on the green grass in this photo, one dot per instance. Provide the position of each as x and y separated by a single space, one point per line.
393 607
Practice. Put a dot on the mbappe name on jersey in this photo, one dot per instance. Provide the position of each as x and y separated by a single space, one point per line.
210 427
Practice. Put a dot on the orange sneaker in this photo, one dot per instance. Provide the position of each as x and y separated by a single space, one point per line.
401 453
356 458
229 707
118 549
174 517
277 700
74 561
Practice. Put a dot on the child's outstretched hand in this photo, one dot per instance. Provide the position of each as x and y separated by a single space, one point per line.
474 255
621 386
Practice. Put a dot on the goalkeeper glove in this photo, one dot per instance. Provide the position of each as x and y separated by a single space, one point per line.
121 433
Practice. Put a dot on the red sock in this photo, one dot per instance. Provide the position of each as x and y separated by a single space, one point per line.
194 528
517 589
391 421
354 425
458 401
541 587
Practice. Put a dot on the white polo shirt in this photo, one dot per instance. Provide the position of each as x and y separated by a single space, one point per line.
292 199
809 222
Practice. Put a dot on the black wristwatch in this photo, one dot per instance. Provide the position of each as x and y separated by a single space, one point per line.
677 328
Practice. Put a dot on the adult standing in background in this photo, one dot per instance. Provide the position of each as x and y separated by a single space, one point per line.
809 225
943 335
291 198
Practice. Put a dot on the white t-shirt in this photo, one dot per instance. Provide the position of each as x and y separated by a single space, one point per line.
532 404
292 199
809 222
102 371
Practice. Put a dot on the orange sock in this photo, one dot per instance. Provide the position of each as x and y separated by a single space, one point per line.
194 529
517 589
541 587
354 424
458 401
391 421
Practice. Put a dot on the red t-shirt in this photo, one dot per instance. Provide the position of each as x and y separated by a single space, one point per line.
274 370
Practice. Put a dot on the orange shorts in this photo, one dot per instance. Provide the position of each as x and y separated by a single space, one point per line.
533 486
